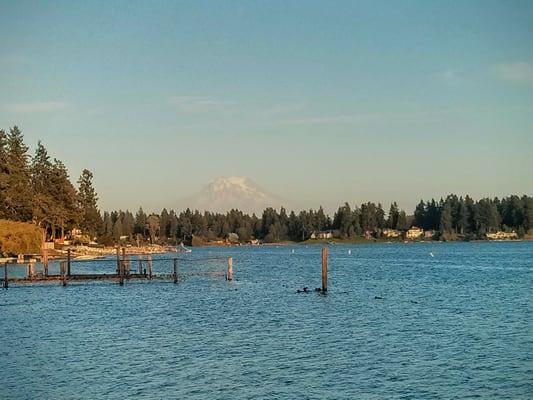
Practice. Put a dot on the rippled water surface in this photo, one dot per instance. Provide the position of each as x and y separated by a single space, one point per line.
397 323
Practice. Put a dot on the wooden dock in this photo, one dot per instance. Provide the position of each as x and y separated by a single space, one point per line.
123 271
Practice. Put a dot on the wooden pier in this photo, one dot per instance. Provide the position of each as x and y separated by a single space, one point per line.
169 269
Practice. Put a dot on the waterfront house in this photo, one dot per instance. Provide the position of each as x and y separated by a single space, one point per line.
391 233
322 235
500 235
414 233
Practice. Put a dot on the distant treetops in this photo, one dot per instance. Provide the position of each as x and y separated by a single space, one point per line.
38 189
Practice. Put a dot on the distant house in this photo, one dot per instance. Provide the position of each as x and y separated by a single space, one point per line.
414 233
325 235
500 235
390 233
322 235
429 234
369 234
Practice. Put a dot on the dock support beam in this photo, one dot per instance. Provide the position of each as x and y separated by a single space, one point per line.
63 268
118 261
149 266
30 270
121 273
125 263
229 275
175 270
5 276
68 262
325 269
140 264
45 262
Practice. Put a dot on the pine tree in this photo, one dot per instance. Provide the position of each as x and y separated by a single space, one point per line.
141 222
90 220
66 211
402 221
17 195
463 218
44 202
3 173
164 225
421 219
446 218
392 220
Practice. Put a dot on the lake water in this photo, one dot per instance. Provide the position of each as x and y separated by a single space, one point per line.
454 325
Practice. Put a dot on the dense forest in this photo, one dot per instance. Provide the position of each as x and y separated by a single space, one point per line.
38 189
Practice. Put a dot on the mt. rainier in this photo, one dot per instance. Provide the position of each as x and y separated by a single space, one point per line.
234 192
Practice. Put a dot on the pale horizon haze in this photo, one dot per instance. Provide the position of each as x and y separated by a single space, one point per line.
317 102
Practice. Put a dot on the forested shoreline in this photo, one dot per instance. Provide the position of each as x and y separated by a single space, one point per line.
35 188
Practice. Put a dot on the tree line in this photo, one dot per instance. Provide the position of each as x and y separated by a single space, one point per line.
38 189
452 217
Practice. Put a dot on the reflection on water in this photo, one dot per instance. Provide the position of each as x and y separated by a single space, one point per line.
397 323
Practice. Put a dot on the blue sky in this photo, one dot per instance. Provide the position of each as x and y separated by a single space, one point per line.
319 102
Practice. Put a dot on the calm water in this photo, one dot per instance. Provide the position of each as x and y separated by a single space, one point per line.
455 325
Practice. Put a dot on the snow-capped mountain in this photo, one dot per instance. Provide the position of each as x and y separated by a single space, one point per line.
225 193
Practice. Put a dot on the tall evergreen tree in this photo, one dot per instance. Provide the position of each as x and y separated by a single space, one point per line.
90 220
3 173
421 219
392 220
44 203
402 221
446 218
66 207
17 195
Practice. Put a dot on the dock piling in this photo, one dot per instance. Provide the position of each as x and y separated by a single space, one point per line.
5 276
30 270
118 261
325 269
68 262
121 273
45 262
175 270
63 269
140 264
150 266
229 275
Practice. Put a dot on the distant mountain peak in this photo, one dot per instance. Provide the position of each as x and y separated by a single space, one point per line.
233 192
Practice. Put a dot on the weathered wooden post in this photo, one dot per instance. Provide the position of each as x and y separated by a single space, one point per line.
125 268
30 270
121 273
229 275
325 269
149 266
68 262
5 276
63 270
140 264
45 262
175 270
118 261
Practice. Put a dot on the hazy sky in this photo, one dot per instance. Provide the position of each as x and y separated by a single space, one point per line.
319 102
